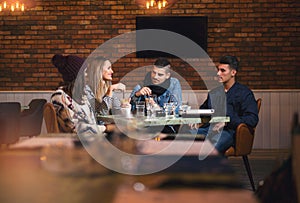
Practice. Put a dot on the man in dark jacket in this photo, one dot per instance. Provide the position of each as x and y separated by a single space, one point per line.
232 99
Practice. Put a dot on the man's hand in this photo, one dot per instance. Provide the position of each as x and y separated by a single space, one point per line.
218 126
194 125
143 91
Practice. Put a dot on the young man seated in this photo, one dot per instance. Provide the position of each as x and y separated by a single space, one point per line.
231 99
158 82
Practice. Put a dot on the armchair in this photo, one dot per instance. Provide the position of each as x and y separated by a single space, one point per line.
31 119
243 145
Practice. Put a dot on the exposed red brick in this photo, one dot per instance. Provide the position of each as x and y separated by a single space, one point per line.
262 34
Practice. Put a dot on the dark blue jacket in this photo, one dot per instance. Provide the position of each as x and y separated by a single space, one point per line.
238 103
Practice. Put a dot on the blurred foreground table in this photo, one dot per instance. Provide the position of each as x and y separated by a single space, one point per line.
25 178
190 195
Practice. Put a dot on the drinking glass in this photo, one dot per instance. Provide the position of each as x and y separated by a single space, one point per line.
140 109
182 109
148 106
175 109
126 112
169 109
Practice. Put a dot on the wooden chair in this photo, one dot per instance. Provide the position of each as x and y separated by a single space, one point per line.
50 118
243 145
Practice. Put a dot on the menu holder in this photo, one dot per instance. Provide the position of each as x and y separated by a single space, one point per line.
196 113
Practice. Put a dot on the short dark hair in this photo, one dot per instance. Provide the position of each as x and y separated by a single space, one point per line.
232 61
162 62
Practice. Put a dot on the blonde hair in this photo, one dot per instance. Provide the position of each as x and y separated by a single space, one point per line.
95 79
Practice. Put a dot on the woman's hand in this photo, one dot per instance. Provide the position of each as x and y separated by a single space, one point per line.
125 103
118 86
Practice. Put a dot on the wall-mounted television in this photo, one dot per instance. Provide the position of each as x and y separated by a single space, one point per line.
192 27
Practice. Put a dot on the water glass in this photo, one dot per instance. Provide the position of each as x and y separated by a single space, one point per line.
148 106
183 108
140 109
126 112
169 109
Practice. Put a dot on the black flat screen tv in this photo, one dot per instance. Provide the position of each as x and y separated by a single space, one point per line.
192 27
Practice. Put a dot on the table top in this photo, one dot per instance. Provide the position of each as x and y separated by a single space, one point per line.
158 121
26 178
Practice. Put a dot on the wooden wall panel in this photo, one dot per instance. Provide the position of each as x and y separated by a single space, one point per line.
261 129
285 114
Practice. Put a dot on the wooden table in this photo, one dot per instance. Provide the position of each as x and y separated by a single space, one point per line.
25 178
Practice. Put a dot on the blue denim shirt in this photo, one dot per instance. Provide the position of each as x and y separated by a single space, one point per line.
173 94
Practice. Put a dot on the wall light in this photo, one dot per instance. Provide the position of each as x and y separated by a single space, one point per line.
159 4
155 4
15 5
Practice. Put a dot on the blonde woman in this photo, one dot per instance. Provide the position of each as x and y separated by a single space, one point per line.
74 115
99 88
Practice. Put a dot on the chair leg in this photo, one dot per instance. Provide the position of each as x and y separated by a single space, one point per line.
247 166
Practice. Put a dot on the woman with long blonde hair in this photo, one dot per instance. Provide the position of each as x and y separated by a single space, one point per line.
99 88
74 115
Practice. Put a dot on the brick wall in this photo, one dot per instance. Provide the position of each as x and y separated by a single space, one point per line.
264 35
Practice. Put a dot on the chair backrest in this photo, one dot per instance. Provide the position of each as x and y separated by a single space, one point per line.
244 138
258 101
9 122
32 118
258 104
50 118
